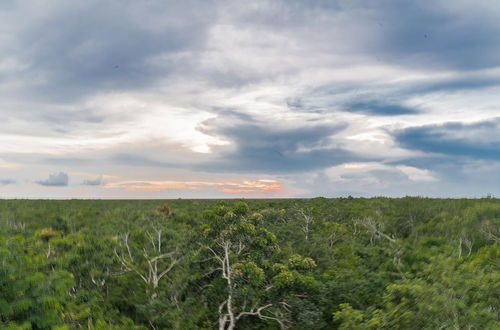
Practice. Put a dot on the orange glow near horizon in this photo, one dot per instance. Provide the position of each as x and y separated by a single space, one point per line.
236 191
268 186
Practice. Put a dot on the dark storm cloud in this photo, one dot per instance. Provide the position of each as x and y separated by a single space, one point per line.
60 179
478 140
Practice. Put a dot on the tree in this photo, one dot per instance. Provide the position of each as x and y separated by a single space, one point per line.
149 257
240 250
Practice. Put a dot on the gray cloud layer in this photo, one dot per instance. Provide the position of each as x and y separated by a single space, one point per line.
268 148
94 46
346 94
480 140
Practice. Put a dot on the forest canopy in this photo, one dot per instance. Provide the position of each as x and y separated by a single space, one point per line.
346 263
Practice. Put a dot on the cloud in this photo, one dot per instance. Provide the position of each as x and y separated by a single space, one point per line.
459 81
417 174
5 182
480 140
379 108
93 182
67 161
269 88
255 146
4 164
420 35
55 180
380 173
264 147
132 52
137 160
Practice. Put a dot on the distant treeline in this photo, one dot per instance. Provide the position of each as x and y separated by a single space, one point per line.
346 263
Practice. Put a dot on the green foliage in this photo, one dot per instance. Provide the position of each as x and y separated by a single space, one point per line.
347 263
30 297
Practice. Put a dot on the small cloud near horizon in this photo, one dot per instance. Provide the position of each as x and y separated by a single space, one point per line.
60 179
99 181
5 182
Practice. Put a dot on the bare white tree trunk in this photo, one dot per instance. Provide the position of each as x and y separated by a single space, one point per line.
468 244
488 233
153 273
227 315
374 228
48 252
307 219
227 319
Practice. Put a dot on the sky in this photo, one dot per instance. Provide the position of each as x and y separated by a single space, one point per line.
249 99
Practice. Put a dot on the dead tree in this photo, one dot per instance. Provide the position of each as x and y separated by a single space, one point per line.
151 263
373 227
468 244
229 314
306 220
490 230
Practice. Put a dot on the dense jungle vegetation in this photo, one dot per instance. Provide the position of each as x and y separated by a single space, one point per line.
347 263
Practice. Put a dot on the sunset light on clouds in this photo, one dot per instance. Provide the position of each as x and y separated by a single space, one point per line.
259 186
211 99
